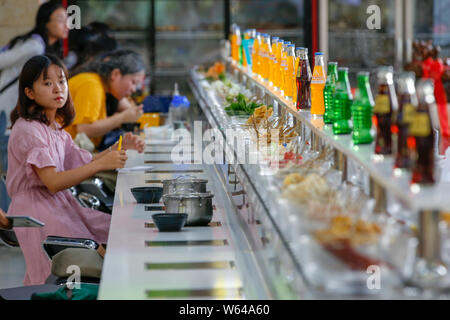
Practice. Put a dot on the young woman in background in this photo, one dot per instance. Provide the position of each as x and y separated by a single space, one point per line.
46 37
110 78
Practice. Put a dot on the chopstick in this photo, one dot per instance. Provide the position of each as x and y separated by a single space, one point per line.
120 143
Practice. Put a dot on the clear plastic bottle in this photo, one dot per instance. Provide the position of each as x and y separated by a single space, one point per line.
178 109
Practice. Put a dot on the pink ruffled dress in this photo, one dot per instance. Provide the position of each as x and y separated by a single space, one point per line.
34 143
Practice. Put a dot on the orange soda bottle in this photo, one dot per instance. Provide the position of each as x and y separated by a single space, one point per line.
278 65
255 57
273 61
237 42
289 88
266 61
294 78
283 67
233 45
318 80
262 56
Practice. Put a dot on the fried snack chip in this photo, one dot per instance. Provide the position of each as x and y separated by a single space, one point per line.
293 178
344 228
260 114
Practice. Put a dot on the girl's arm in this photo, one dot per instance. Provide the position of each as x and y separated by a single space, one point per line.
58 181
101 127
20 52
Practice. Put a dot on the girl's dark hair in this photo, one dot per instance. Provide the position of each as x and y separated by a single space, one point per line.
127 61
42 18
27 108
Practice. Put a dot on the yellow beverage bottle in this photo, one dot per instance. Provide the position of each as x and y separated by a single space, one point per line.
255 57
267 53
233 45
278 65
273 61
235 42
283 69
286 69
289 88
262 57
318 80
294 78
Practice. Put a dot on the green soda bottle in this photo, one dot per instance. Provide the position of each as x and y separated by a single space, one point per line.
342 102
362 111
328 92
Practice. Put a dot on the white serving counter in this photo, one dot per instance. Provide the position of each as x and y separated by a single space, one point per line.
197 262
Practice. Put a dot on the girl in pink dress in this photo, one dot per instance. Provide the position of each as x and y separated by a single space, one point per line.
43 162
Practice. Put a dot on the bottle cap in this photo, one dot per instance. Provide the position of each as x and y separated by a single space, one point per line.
291 45
385 74
319 53
407 75
425 91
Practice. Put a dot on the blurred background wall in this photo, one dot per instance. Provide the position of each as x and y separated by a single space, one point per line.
16 17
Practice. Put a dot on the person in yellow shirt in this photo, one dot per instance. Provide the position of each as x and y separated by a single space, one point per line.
115 76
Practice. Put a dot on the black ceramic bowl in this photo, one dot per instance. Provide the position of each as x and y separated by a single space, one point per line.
169 222
147 194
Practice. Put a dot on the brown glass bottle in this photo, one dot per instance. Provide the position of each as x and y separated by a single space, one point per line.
303 80
407 103
422 130
385 108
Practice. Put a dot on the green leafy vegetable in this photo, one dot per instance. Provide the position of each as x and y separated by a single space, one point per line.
239 105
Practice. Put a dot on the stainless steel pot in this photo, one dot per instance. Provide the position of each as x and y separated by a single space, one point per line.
184 184
198 206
